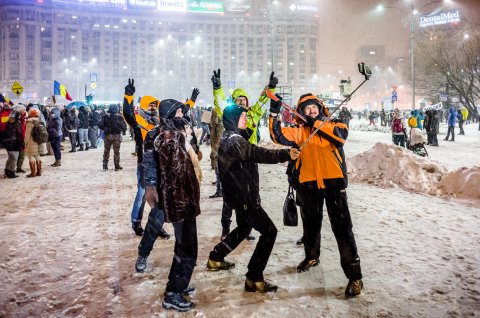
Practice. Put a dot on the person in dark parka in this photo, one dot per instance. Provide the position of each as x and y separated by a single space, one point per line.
238 169
176 197
55 134
113 126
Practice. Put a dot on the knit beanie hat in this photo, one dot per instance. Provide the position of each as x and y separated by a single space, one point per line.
168 108
231 115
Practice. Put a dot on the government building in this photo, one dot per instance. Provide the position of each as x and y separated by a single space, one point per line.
168 47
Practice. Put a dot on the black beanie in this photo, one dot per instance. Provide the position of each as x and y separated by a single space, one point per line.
168 108
231 115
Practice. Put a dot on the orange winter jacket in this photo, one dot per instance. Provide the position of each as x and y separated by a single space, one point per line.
322 159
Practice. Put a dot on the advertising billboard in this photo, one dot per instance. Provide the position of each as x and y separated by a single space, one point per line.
440 18
172 5
205 6
142 3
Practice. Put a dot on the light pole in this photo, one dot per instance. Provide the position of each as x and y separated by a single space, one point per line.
413 12
412 50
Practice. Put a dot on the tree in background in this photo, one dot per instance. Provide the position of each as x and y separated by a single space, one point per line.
448 60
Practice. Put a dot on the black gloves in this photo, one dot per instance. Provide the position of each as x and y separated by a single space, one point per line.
272 83
130 88
195 93
275 106
216 80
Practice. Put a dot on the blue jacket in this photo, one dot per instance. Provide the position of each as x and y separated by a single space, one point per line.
55 123
420 119
452 116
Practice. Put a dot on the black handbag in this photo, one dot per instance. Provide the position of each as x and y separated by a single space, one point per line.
290 216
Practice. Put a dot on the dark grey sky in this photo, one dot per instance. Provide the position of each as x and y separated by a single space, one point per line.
348 24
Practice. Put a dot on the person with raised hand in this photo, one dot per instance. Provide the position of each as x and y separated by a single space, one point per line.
322 178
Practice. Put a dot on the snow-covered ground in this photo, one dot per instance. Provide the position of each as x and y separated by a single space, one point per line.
67 249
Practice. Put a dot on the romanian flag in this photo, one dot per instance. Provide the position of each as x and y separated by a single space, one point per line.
59 89
4 99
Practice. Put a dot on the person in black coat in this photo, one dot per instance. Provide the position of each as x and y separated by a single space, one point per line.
13 142
55 134
71 127
113 126
238 167
94 120
83 116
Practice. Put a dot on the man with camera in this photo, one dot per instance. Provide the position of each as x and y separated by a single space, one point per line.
322 178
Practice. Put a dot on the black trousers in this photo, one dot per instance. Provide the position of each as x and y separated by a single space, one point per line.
156 218
460 126
226 216
451 129
249 217
311 199
185 255
55 142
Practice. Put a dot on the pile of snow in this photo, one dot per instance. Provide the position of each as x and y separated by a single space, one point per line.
391 166
462 183
365 126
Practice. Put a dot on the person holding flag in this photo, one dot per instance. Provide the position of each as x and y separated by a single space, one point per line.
59 89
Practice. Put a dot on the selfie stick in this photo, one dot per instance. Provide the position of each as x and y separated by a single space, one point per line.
276 99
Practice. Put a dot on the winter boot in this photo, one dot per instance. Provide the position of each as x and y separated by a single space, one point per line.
262 286
118 168
20 170
354 288
105 166
163 234
188 291
81 147
10 174
137 228
39 168
87 146
176 301
305 265
33 169
215 266
57 163
141 264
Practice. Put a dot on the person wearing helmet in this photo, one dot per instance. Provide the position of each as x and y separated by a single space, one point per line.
322 178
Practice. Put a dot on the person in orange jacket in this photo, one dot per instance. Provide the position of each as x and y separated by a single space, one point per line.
322 178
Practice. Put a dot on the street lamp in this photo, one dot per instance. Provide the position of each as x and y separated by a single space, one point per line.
412 13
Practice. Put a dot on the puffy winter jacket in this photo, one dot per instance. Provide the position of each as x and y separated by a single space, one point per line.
323 159
95 119
452 116
113 124
54 124
238 166
178 188
71 121
13 139
83 117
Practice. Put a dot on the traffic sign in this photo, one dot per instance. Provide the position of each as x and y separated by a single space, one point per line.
93 85
394 96
17 88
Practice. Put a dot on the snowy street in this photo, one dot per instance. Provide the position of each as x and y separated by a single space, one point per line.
67 248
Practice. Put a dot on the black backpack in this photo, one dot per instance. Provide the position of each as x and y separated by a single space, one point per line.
39 133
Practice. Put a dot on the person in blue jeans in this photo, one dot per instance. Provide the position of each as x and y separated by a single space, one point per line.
141 121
